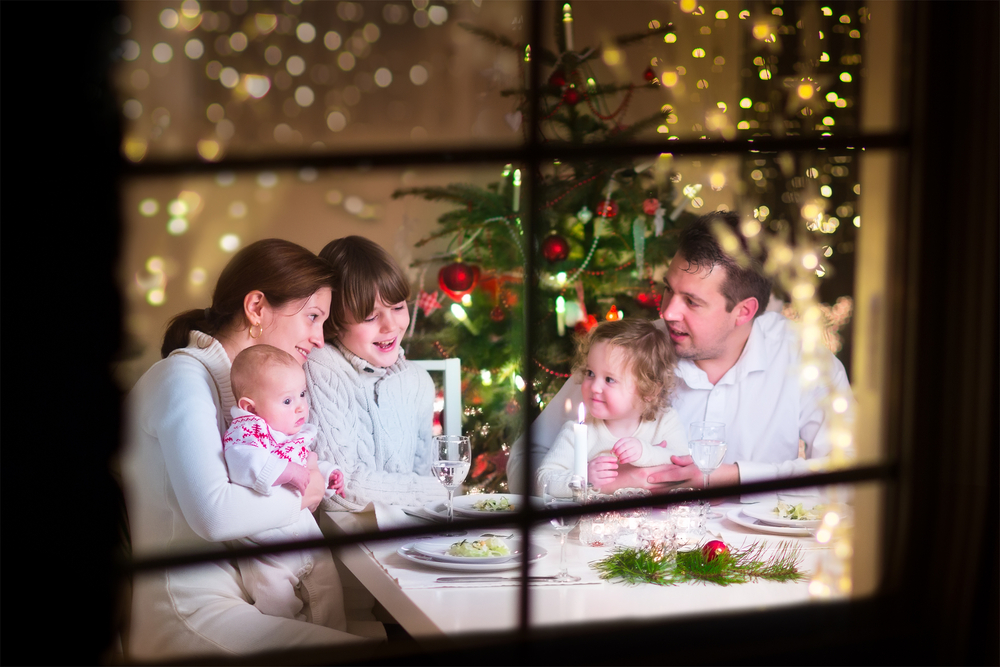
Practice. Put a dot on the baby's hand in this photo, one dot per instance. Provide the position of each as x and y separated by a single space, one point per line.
602 470
661 444
627 450
295 476
337 482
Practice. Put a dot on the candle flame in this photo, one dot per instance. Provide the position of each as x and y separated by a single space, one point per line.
582 413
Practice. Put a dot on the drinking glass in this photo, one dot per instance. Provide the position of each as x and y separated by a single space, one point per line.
707 441
451 464
554 498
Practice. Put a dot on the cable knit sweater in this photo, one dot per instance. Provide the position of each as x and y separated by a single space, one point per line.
375 423
180 499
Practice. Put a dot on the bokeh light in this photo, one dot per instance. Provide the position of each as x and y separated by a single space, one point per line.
229 242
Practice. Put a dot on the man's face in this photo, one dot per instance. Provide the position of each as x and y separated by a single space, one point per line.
695 311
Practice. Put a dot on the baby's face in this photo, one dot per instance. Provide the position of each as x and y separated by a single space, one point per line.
280 399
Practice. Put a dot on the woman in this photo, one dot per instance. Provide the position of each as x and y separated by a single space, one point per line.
179 495
374 410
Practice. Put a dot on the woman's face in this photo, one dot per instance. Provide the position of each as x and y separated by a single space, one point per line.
376 339
297 327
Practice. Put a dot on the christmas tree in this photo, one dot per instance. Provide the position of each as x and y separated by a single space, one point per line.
599 229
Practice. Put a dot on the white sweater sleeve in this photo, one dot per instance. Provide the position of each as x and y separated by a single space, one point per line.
668 428
341 414
184 419
557 466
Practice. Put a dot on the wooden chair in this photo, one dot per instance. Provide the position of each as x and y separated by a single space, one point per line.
452 369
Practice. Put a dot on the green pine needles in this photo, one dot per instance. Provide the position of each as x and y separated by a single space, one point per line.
639 566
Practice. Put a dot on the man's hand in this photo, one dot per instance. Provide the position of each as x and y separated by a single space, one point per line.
602 470
627 450
683 472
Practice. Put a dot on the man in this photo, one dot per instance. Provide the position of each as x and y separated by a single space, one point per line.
737 364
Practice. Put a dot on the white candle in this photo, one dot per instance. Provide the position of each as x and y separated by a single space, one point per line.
560 316
568 26
580 445
517 190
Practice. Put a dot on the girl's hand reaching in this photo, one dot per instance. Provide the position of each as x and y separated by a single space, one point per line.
602 470
627 450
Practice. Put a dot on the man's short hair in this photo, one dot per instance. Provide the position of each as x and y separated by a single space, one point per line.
252 364
699 244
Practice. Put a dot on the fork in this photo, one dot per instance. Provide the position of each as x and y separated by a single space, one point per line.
506 537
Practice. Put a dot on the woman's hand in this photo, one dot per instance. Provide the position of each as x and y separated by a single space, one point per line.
316 489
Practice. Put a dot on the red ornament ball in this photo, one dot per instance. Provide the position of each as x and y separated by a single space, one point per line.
607 209
497 314
714 549
649 300
571 96
555 248
650 205
458 279
649 74
558 78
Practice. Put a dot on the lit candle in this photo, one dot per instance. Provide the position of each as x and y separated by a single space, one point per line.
517 189
527 67
561 315
462 317
568 26
580 445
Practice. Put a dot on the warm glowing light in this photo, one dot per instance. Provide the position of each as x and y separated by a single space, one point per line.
717 180
198 276
266 23
190 8
721 15
356 205
688 6
134 149
336 121
418 75
177 226
169 19
826 190
177 208
810 261
229 242
806 91
670 38
750 228
765 75
332 40
857 221
746 103
306 32
155 264
209 149
829 121
304 96
437 14
519 383
194 49
698 53
149 207
296 65
845 77
840 405
466 300
383 77
669 79
238 41
162 53
486 377
156 296
257 85
761 30
229 77
237 210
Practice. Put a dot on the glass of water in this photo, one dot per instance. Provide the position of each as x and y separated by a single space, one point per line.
451 464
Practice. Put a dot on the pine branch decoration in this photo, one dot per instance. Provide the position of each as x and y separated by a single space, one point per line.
638 566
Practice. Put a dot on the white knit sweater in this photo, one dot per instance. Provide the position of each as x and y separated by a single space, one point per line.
375 423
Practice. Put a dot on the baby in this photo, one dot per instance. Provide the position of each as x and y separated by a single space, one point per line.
627 371
268 445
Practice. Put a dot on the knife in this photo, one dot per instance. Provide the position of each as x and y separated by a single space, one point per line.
461 580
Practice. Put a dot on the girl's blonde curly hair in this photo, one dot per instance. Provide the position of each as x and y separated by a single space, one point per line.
646 353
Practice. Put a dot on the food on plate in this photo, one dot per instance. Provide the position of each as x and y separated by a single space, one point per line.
797 512
494 505
491 546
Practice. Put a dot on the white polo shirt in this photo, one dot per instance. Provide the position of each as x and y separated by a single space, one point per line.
761 399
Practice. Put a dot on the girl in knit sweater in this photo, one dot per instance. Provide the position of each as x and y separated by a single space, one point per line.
626 368
373 409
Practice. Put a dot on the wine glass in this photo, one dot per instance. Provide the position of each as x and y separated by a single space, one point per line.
553 495
452 462
707 441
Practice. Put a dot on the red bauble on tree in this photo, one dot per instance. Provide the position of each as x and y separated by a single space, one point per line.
649 300
558 79
714 549
649 74
607 209
458 279
650 205
497 314
571 96
555 248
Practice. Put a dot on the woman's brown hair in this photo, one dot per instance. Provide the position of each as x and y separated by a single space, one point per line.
282 270
364 271
646 353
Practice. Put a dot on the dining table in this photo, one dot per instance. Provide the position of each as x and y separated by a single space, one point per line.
430 600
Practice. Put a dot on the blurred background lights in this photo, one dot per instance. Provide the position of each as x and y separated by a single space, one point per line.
237 209
177 208
698 53
826 191
229 242
746 103
190 8
194 49
295 65
418 75
845 77
334 197
272 55
162 53
304 96
155 264
721 15
156 296
354 204
305 32
225 178
383 77
209 149
331 40
437 14
257 85
130 49
670 38
267 179
229 77
840 404
336 121
346 61
169 19
177 226
148 207
132 109
197 276
857 221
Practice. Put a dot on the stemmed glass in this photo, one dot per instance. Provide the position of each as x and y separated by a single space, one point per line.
707 441
452 462
554 498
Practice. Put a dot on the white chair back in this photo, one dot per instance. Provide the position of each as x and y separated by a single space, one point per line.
452 369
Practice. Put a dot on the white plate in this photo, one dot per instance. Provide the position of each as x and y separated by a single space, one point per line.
407 552
466 505
737 517
766 514
438 547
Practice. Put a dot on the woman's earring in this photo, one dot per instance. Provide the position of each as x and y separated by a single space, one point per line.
259 332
